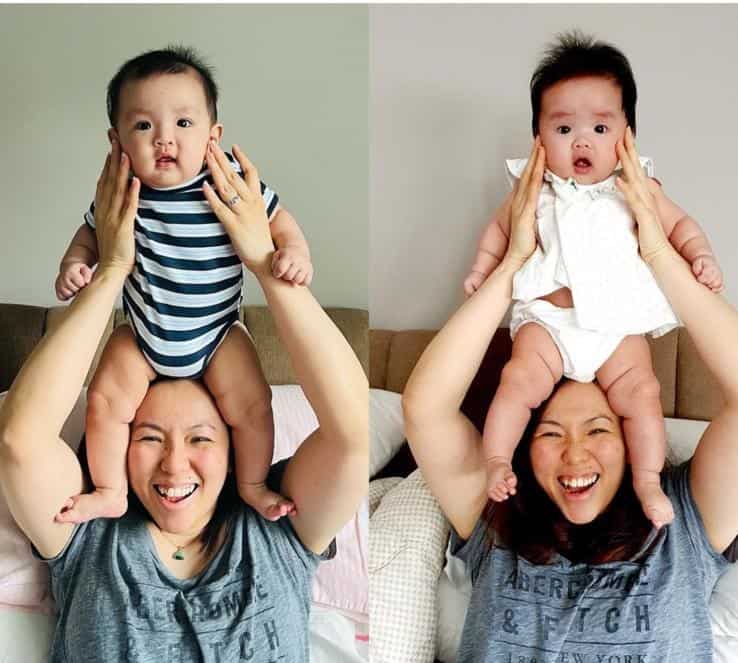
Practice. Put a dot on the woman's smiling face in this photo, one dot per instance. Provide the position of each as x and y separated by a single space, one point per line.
578 452
178 455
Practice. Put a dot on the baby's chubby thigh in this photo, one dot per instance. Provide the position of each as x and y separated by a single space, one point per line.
629 380
235 379
120 382
535 366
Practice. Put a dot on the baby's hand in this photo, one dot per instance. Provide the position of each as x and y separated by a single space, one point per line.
708 272
292 264
72 278
473 282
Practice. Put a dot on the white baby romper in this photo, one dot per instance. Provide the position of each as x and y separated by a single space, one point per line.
587 242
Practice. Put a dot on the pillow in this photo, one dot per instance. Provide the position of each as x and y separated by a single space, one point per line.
404 565
341 582
386 428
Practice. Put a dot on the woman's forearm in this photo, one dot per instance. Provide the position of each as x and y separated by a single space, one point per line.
710 320
324 363
444 372
47 386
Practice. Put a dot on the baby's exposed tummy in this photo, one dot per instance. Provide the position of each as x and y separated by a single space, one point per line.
561 298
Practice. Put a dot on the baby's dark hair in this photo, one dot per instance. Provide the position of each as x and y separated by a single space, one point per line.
173 59
576 54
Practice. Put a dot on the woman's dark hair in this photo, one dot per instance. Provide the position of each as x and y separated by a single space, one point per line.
170 60
531 525
575 54
226 506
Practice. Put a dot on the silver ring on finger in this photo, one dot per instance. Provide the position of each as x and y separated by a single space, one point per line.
232 201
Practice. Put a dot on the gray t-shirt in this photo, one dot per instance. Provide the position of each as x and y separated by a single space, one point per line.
118 602
650 609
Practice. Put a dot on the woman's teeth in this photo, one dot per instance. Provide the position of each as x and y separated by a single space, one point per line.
177 493
580 483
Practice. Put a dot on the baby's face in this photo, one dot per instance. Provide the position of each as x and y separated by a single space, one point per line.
581 120
164 127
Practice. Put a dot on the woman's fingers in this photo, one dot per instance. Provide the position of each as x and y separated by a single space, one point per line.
227 181
250 173
220 209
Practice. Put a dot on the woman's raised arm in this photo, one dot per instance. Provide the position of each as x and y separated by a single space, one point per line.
713 325
328 475
38 471
446 445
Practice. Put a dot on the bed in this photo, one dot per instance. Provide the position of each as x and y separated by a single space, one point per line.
339 630
418 594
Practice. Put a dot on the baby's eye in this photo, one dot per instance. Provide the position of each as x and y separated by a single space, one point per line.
601 129
184 123
143 125
563 129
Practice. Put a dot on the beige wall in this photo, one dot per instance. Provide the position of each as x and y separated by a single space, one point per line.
449 101
294 89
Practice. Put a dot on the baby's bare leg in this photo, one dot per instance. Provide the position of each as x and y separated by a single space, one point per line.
117 389
633 393
244 399
527 380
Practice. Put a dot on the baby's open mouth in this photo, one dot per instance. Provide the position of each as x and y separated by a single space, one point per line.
578 484
582 164
165 159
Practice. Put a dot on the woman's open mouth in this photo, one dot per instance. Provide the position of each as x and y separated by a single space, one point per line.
578 487
175 494
582 166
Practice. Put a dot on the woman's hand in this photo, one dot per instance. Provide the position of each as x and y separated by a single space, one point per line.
522 241
116 203
634 185
239 206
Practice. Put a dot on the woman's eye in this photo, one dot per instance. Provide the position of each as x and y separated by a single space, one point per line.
143 125
598 431
200 438
549 433
184 123
600 129
148 438
563 129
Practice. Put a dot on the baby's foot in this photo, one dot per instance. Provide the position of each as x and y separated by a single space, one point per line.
269 504
656 505
101 503
501 480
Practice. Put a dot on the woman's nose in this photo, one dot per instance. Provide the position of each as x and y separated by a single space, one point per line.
575 451
174 459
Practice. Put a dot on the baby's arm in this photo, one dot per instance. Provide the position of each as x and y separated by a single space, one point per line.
75 269
491 249
291 261
687 238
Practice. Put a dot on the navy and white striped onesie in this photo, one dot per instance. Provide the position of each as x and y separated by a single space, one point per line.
184 292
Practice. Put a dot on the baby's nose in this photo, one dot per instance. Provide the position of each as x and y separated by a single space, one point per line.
582 142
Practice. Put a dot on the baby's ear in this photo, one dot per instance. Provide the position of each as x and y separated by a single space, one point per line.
113 134
216 132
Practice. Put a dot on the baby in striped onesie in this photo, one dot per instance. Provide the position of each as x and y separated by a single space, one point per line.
183 297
